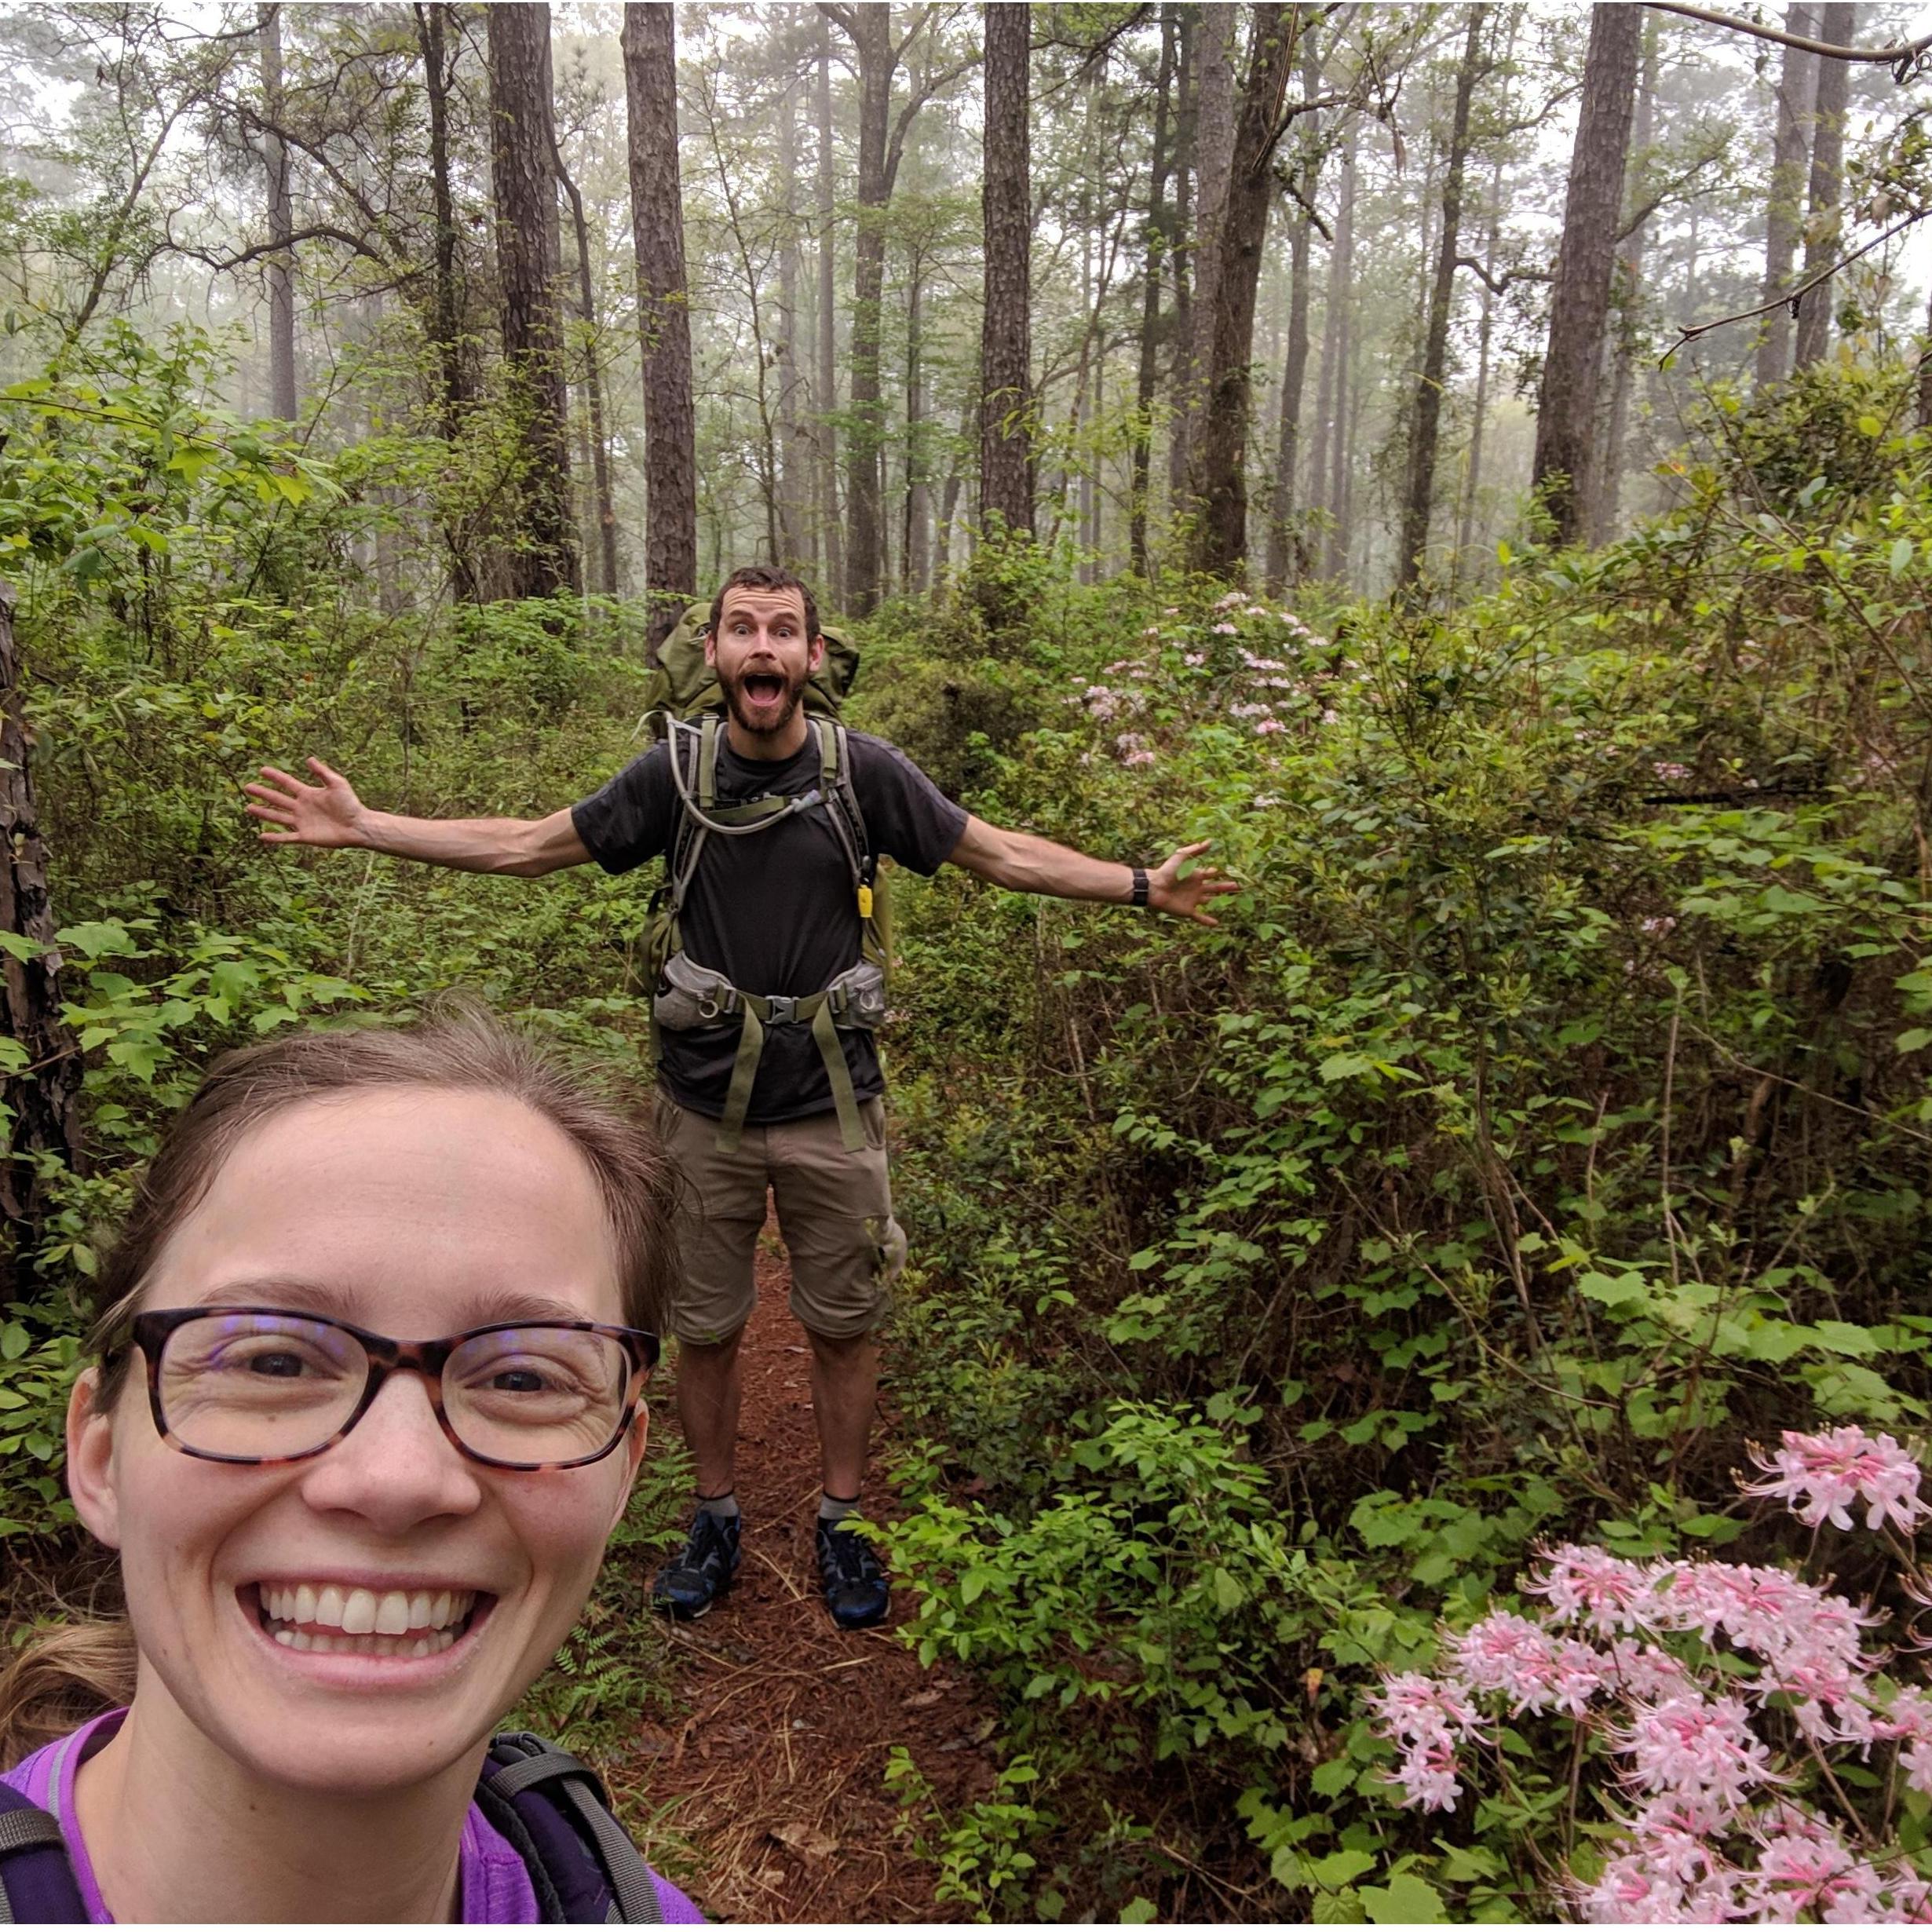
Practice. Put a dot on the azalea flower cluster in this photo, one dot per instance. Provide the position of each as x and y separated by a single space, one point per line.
1713 1828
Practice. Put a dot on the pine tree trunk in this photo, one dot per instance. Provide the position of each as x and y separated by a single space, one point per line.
1341 313
917 506
1214 26
1218 460
1424 423
1630 284
1784 212
603 502
523 173
1287 557
1159 244
283 400
1006 348
1179 257
1479 408
44 1099
442 326
671 540
870 30
826 402
795 549
1824 225
1566 416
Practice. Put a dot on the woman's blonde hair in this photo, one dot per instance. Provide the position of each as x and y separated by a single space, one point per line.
70 1674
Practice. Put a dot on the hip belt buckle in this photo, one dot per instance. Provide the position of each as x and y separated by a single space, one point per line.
781 1010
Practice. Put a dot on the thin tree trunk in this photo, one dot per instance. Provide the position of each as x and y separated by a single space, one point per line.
670 541
826 430
1006 349
1784 212
443 327
1159 241
1178 256
1341 308
283 400
1287 552
1218 463
1629 304
43 1101
1485 336
1824 225
1426 420
524 173
794 549
1566 415
1214 26
604 503
870 28
919 509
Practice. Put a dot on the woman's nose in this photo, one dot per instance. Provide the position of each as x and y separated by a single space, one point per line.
395 1467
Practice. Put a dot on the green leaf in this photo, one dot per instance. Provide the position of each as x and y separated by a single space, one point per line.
1138 1911
1340 1868
1405 1900
1900 557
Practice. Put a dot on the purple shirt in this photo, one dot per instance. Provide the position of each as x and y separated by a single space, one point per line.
495 1887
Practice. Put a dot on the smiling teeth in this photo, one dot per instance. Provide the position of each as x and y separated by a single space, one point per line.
396 1623
369 1646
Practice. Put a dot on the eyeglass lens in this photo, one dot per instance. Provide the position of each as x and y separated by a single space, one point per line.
270 1386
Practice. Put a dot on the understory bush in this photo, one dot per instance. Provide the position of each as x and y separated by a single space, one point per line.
1547 1119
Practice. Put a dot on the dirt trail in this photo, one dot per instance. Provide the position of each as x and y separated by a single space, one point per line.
780 1762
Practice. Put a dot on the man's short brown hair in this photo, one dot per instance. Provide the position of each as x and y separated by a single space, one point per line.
766 577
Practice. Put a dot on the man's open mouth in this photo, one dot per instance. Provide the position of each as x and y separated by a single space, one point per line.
764 687
328 1618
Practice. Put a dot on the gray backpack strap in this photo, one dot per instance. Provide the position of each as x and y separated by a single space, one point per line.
634 1899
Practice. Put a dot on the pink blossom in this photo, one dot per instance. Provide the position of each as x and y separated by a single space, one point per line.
1603 1593
1152 630
1331 717
1140 758
1227 630
1267 727
1672 1879
1426 1717
1537 1671
1694 1744
1821 1476
1228 603
1816 1873
1247 710
1671 774
1193 659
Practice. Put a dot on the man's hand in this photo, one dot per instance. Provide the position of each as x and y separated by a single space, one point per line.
297 814
1184 898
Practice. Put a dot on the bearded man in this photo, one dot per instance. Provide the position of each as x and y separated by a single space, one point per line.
769 919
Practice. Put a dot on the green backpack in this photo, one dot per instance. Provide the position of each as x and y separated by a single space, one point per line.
687 706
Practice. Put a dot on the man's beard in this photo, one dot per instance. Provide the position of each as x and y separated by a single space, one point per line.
787 709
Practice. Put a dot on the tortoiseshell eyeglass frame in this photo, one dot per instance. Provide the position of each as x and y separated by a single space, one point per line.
149 1332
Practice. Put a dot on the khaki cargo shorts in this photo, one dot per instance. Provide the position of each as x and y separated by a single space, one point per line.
834 1212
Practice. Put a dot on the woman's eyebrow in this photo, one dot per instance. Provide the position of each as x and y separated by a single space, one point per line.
481 1310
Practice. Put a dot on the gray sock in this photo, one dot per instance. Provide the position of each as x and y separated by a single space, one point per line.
836 1509
725 1506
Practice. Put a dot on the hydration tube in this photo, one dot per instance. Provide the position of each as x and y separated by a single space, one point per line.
802 802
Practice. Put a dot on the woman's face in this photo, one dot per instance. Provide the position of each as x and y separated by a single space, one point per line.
416 1213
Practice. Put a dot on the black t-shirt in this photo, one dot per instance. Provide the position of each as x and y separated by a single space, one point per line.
775 912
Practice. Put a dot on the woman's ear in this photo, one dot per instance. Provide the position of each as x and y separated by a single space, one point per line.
634 1443
90 1459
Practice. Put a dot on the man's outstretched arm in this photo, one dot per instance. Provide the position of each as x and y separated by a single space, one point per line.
329 814
1023 862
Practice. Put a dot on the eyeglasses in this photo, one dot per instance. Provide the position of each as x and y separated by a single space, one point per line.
267 1385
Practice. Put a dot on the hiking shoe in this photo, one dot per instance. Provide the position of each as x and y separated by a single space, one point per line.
852 1578
689 1586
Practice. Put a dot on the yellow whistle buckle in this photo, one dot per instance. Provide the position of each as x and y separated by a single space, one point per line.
865 902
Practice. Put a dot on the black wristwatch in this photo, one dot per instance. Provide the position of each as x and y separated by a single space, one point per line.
1139 895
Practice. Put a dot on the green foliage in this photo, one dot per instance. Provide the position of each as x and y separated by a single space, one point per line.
1547 1118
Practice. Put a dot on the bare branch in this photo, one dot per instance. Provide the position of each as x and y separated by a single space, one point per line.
1690 334
1900 56
1498 286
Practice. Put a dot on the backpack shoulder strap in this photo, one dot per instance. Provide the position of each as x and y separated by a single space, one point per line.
36 1883
584 1867
842 800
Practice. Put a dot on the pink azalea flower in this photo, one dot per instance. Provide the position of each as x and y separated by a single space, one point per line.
1821 1476
1267 727
1536 1671
1604 1593
1692 1744
1193 659
1227 630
